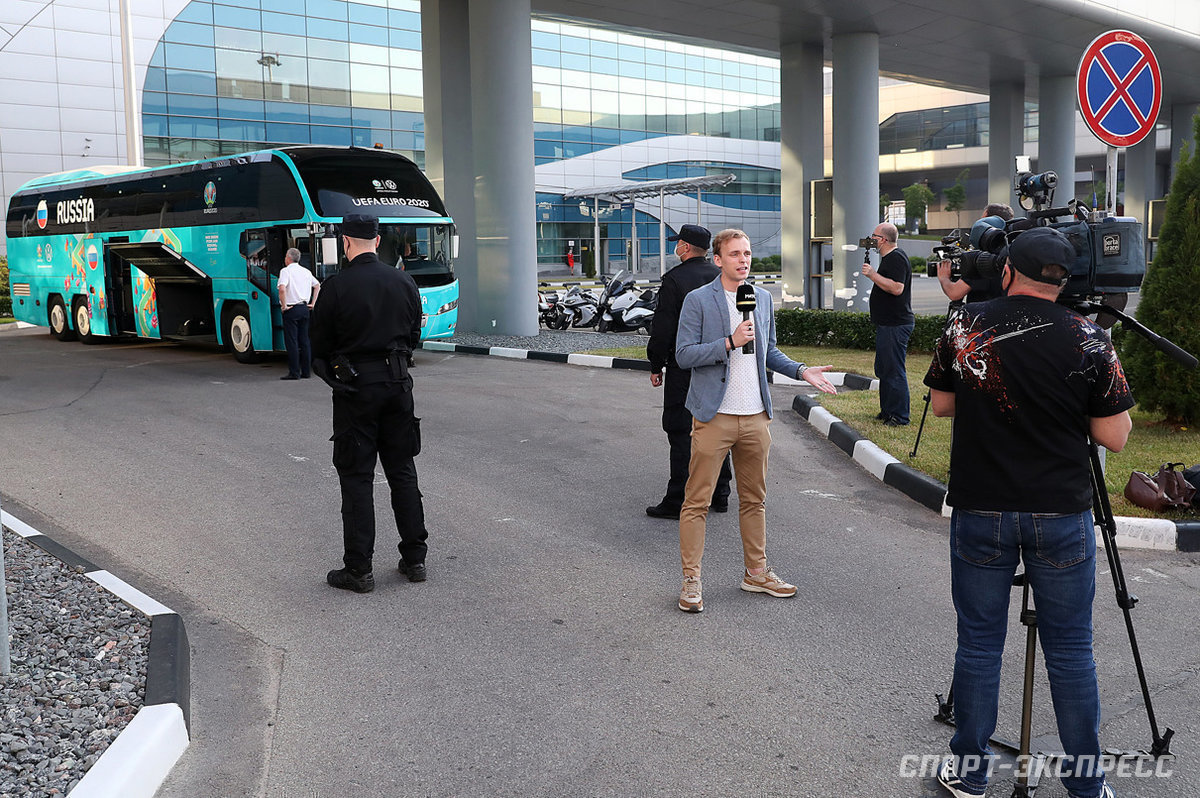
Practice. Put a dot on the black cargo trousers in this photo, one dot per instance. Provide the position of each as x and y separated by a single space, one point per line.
377 421
677 423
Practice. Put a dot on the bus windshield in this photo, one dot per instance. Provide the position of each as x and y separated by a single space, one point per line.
379 183
422 250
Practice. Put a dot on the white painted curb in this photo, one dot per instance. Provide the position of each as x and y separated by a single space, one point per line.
137 762
129 594
871 457
602 361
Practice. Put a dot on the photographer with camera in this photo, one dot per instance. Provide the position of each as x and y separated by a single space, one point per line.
1027 381
891 313
974 289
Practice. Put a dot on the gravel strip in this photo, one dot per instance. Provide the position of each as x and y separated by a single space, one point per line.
78 672
564 341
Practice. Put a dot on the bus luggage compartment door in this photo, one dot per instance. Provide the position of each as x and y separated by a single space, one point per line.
178 303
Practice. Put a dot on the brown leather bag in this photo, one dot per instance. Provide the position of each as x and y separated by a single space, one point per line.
1166 490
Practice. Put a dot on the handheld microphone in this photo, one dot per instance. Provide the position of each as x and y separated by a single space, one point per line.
745 302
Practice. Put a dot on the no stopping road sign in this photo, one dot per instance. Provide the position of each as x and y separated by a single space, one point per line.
1119 88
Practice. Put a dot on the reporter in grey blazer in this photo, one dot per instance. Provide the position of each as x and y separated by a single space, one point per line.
731 406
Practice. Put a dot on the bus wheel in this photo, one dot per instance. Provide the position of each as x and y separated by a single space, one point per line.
237 334
57 314
83 321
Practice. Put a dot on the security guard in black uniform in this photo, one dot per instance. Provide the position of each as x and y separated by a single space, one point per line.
364 327
694 270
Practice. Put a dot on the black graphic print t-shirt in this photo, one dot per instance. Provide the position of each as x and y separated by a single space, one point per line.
1027 374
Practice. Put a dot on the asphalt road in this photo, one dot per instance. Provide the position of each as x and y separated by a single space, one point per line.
545 655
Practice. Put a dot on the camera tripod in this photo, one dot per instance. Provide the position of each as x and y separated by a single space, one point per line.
929 394
1031 764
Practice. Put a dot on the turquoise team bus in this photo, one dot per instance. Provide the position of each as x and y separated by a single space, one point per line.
192 252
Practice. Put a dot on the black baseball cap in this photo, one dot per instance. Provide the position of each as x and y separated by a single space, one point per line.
694 234
360 225
1033 249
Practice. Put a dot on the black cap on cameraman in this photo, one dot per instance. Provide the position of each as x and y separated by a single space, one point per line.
694 234
360 225
1035 249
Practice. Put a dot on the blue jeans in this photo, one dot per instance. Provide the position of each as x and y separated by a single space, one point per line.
1059 553
891 348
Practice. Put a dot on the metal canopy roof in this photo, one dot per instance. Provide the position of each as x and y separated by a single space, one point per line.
952 43
634 189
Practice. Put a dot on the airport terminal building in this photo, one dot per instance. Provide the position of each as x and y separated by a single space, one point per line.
610 105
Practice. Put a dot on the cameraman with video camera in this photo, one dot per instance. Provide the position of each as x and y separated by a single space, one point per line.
891 313
974 289
1027 381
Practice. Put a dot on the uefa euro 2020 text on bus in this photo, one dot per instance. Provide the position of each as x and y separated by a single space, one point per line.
192 252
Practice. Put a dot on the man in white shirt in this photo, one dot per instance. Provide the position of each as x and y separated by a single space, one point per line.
731 410
298 291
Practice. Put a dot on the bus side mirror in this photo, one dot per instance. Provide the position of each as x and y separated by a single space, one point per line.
242 239
329 253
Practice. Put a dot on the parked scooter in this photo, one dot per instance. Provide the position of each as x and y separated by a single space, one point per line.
623 309
578 308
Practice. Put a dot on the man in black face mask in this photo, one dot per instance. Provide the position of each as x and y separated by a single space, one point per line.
693 271
1027 381
364 327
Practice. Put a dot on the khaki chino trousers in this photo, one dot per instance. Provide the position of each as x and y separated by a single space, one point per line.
748 440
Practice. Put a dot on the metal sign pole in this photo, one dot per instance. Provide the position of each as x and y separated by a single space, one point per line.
596 268
1110 183
5 663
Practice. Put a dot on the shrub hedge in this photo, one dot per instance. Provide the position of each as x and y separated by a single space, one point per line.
798 327
5 299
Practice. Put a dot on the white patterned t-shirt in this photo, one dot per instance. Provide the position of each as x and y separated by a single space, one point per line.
742 395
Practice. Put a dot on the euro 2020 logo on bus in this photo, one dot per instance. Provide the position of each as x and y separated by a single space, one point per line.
43 215
210 194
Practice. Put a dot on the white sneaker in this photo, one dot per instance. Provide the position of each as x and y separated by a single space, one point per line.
956 786
690 597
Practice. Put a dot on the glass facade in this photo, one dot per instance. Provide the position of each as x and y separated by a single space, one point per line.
944 128
230 76
608 107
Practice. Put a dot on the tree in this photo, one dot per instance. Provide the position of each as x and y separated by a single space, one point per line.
956 196
916 199
1170 295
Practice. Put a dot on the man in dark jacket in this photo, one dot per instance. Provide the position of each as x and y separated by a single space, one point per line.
693 271
365 325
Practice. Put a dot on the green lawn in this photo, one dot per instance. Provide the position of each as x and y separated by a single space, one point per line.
1151 443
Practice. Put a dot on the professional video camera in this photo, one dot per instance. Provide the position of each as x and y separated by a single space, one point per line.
967 257
1110 250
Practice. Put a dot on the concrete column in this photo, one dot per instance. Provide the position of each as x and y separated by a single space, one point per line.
502 107
1139 178
1006 111
446 73
1182 131
1056 133
802 135
481 56
855 160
